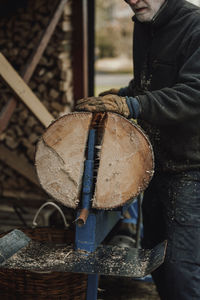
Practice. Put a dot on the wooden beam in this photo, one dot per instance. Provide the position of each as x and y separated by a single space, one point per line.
29 68
19 164
22 90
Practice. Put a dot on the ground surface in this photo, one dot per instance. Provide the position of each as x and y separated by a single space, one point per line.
115 288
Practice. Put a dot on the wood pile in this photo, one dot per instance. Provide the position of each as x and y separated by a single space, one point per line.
52 80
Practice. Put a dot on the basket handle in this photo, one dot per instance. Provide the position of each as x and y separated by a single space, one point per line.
56 206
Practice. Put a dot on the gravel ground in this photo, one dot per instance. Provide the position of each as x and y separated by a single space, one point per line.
115 288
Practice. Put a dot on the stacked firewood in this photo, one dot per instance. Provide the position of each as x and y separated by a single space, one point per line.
51 82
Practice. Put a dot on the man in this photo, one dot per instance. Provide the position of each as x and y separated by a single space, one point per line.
165 98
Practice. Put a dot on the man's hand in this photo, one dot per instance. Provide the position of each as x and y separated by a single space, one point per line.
112 103
111 91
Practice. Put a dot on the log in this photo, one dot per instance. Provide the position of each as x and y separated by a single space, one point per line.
63 148
126 163
124 171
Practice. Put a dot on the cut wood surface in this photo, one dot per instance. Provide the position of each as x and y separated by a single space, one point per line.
126 163
22 90
60 157
126 160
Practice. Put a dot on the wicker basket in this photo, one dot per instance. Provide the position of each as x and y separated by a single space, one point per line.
20 284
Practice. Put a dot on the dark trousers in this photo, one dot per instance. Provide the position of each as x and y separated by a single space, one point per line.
171 210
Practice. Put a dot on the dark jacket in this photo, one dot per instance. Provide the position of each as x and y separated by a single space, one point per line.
167 82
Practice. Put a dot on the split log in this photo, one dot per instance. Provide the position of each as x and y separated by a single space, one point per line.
60 157
126 163
125 168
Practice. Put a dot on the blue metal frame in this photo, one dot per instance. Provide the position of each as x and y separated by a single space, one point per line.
89 236
98 223
92 287
97 227
88 171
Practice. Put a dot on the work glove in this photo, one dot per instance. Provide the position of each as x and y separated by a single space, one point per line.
128 107
111 91
109 102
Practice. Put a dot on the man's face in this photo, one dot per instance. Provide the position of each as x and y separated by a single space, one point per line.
145 10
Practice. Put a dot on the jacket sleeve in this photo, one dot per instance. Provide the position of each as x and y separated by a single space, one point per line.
181 102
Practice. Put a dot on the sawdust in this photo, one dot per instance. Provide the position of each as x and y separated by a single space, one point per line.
109 260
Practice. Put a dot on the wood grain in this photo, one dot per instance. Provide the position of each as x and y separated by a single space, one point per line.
60 157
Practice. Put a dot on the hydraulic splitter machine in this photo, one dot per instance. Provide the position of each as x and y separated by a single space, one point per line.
97 164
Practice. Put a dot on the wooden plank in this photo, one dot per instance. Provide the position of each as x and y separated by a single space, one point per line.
22 90
19 164
29 68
